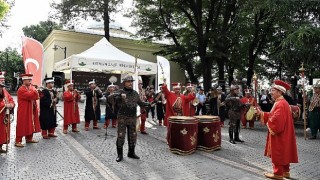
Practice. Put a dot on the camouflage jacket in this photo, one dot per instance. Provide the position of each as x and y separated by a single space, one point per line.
128 105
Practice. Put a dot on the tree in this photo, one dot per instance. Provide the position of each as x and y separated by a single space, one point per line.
4 13
11 63
40 31
69 11
4 8
189 25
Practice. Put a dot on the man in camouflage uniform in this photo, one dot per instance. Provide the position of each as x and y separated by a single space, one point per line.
127 100
234 105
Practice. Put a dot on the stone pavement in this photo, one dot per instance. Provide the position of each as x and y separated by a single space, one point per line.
89 155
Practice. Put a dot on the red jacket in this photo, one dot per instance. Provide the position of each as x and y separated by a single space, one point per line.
5 128
27 113
281 140
71 108
171 98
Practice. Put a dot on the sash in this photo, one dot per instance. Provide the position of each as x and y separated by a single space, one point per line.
177 106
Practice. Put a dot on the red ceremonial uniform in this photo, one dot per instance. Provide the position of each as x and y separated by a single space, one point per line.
71 108
188 108
5 98
171 98
281 144
27 113
253 102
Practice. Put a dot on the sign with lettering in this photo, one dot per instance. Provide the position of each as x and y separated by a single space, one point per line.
102 79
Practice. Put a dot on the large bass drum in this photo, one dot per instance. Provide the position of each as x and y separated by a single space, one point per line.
209 133
182 134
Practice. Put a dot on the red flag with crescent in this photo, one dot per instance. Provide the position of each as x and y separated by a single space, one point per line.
32 53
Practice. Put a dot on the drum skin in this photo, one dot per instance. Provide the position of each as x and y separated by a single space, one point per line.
209 133
182 134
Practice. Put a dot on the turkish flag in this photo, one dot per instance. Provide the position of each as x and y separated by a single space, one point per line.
32 53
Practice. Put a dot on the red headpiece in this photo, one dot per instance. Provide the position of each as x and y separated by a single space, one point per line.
281 85
68 82
175 85
26 76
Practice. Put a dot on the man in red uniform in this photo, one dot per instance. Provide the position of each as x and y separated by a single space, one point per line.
71 109
281 144
175 101
6 108
188 109
27 113
249 101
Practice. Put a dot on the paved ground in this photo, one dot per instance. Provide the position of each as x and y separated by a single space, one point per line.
89 155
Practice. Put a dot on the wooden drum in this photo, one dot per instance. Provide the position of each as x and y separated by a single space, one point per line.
182 134
209 133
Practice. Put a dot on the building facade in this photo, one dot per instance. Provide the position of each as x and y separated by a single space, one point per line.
61 44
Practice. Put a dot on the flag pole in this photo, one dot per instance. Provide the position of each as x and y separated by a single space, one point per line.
302 70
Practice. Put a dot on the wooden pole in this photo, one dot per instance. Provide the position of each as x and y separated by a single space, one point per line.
302 70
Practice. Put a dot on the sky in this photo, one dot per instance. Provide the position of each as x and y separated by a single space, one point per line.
31 12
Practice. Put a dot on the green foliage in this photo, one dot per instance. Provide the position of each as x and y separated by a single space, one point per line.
40 31
70 12
4 8
11 62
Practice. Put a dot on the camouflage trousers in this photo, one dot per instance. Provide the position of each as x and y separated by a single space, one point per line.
234 120
126 124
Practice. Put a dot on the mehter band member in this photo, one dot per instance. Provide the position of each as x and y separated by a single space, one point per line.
281 144
189 106
143 111
175 101
111 110
250 102
218 104
71 115
6 111
127 100
27 113
92 110
48 108
314 111
160 102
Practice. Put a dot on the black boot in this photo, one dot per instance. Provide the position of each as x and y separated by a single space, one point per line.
231 136
131 153
237 130
120 153
237 137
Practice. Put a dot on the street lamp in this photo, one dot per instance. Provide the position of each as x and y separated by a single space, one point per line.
64 50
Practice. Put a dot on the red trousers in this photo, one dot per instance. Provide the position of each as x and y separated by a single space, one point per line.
244 120
87 124
74 126
143 118
280 169
28 138
49 131
114 122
